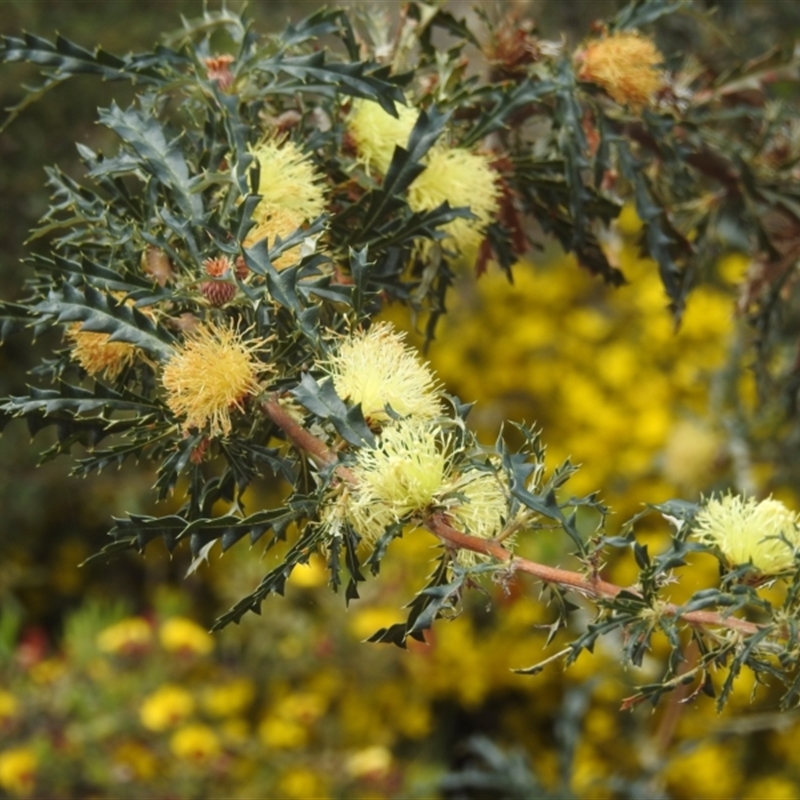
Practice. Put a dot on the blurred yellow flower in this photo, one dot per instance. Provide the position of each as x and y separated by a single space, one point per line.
626 65
282 734
376 133
136 760
229 699
18 770
746 531
47 670
690 454
211 374
310 575
97 354
195 743
128 636
461 178
377 368
371 762
179 634
9 707
166 707
301 706
302 784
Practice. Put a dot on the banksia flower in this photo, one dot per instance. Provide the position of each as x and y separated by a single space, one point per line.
288 181
747 532
218 293
376 133
462 179
210 376
402 475
377 368
480 508
97 354
626 65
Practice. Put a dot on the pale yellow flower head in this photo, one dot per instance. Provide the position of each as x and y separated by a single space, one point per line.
746 530
479 508
461 178
288 180
402 475
376 133
377 368
97 354
626 65
210 376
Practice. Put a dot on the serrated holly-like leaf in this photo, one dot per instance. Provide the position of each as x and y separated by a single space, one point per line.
506 104
573 147
547 505
358 79
639 13
324 22
439 597
163 159
275 581
62 59
14 317
661 241
102 277
321 399
101 313
76 400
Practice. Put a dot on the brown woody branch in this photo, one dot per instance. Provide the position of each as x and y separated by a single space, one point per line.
438 524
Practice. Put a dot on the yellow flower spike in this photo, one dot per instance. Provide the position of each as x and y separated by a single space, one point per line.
746 531
376 133
195 743
461 178
97 354
18 771
211 375
377 368
626 65
288 180
181 635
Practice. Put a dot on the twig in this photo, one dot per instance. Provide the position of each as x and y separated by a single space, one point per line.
438 524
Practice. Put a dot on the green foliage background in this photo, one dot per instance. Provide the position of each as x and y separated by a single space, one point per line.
607 360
